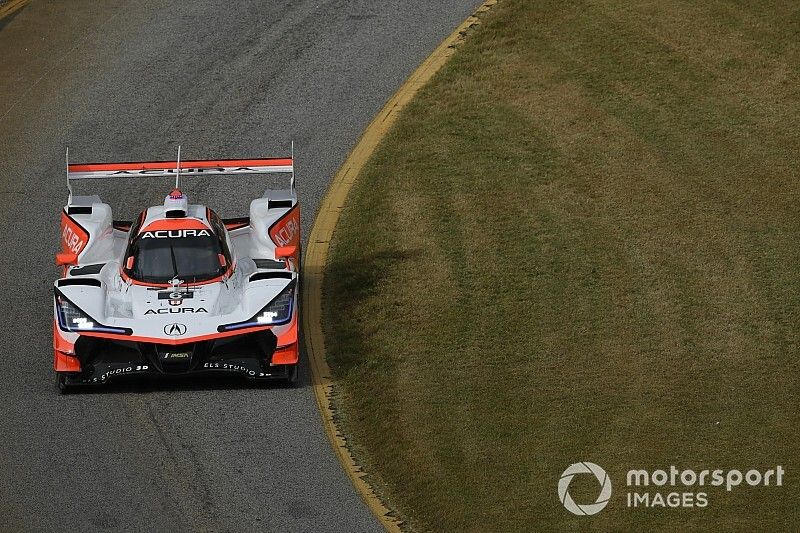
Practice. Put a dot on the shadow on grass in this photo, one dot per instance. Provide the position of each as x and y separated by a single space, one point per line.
7 19
350 281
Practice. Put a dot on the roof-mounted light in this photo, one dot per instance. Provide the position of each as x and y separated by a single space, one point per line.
176 204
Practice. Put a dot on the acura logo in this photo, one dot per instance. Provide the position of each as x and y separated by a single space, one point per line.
175 330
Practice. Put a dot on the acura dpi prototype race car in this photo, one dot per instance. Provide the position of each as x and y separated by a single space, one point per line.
178 290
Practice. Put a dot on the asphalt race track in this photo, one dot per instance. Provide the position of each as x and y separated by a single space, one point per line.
130 81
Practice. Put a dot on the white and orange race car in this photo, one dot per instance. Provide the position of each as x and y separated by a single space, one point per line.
179 290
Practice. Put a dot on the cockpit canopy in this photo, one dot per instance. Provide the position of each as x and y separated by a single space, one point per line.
184 249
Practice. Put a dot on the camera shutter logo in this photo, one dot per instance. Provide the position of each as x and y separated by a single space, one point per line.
584 468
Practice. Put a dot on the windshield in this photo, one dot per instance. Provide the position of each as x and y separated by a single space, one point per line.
190 255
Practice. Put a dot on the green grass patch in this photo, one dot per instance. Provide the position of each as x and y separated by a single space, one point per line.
581 242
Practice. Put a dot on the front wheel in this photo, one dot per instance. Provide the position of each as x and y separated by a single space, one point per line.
62 384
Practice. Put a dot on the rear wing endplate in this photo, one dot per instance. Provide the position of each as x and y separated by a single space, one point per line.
177 169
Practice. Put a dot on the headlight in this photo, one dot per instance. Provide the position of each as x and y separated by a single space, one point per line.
275 313
70 318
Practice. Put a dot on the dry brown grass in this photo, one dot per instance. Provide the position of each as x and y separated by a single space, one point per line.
581 243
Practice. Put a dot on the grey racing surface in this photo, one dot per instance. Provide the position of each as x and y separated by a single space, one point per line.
130 81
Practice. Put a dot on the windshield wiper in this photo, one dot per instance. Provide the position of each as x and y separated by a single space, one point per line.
174 262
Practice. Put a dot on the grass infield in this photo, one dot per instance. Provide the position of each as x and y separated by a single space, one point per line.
581 242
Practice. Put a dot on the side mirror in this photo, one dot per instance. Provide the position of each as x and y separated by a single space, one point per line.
282 252
222 261
66 258
129 263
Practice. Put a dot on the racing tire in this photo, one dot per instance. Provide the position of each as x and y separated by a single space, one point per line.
292 375
63 386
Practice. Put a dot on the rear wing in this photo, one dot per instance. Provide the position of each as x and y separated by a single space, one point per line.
176 169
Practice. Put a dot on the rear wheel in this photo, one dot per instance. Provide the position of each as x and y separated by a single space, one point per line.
292 373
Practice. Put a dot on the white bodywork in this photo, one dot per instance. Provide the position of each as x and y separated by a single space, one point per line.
95 283
118 302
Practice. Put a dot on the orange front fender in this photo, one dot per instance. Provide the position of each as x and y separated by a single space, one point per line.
64 359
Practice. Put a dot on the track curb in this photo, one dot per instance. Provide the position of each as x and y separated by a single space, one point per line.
12 7
317 254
